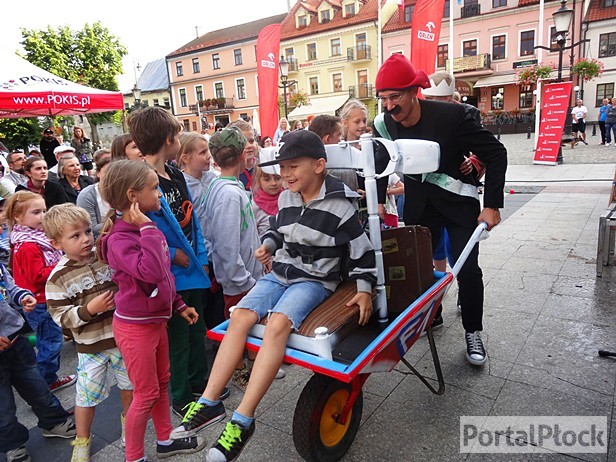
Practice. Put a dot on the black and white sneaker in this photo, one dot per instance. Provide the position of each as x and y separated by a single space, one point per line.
231 442
18 455
475 352
180 446
197 417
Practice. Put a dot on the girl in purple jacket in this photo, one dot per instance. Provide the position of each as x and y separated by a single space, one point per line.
137 252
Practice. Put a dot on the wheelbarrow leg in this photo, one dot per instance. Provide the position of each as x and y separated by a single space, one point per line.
356 385
437 367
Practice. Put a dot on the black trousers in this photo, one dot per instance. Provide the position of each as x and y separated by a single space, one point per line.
470 278
602 130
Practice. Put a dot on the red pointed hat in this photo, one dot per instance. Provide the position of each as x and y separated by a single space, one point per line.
398 73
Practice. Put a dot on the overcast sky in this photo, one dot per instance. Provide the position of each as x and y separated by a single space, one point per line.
148 32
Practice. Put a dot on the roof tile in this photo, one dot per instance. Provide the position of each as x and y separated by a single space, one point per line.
598 12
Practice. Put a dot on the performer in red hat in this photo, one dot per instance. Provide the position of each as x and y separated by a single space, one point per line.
446 198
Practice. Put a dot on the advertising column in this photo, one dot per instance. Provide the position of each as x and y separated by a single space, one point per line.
554 109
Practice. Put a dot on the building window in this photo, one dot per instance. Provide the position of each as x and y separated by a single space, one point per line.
498 98
349 10
469 48
442 55
183 101
219 90
498 47
196 68
553 39
325 16
361 41
186 124
527 43
155 102
607 45
237 56
408 12
607 3
314 85
302 21
311 51
446 10
526 96
289 53
166 102
335 47
215 61
179 70
604 90
498 3
337 82
194 126
199 93
241 88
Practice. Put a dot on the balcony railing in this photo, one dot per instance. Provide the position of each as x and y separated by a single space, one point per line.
361 91
293 66
359 53
213 104
468 11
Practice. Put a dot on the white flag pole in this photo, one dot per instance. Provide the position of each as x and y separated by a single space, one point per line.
539 58
450 46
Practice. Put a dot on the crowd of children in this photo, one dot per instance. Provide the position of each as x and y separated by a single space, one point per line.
181 247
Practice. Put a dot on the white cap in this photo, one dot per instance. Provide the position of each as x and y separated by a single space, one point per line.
63 148
442 89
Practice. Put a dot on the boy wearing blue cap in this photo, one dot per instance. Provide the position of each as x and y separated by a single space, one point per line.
316 228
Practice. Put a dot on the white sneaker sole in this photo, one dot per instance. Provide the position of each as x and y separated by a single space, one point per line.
476 362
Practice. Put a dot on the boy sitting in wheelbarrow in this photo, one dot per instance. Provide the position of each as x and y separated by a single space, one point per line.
315 230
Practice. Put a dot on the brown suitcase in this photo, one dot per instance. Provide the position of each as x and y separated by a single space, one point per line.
409 270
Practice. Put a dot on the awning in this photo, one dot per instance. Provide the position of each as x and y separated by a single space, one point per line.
495 81
505 79
324 105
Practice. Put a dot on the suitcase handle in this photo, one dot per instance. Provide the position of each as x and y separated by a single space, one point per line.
481 233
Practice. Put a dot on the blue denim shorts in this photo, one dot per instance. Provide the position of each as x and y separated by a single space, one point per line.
295 300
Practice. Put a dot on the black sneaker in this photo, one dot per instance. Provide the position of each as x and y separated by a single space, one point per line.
180 446
230 443
18 455
198 391
180 409
475 352
437 321
197 417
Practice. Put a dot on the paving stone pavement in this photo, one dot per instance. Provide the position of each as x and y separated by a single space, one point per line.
545 317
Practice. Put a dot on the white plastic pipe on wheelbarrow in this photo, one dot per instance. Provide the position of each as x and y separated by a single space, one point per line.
481 233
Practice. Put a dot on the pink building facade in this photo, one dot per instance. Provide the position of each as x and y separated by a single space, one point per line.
492 40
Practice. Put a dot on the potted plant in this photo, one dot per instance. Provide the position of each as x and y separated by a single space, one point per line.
207 102
587 69
299 98
530 75
220 102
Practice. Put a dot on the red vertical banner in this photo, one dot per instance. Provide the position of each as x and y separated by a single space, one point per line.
426 30
268 47
554 108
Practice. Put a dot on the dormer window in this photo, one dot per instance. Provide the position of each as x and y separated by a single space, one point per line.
325 16
349 10
302 21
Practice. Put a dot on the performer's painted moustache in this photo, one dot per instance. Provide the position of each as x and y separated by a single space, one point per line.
393 111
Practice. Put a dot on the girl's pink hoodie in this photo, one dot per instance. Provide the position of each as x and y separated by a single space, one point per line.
140 259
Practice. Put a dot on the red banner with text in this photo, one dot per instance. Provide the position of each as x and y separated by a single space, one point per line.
426 30
268 46
554 108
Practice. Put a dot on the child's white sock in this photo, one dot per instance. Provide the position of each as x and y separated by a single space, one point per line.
165 443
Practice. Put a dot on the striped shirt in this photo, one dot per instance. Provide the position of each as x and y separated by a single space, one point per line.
321 241
70 287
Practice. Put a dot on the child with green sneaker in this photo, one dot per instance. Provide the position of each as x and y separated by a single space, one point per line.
80 298
316 228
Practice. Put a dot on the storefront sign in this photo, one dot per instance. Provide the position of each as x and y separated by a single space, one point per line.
526 63
554 108
470 63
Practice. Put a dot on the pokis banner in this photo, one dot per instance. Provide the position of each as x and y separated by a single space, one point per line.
268 46
554 109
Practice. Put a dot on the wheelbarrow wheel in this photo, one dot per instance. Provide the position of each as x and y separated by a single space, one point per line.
316 434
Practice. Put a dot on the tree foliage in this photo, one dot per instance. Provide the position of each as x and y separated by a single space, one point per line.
91 56
20 133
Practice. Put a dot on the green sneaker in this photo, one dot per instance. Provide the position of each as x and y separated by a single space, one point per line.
230 443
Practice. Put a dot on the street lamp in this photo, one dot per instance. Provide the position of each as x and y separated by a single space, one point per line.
285 82
576 89
562 21
137 95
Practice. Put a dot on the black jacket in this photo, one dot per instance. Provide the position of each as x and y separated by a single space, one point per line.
457 132
54 193
47 148
71 194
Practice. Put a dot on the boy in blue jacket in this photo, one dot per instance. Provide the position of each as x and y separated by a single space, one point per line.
18 369
155 132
